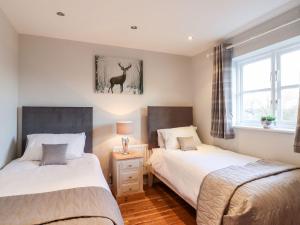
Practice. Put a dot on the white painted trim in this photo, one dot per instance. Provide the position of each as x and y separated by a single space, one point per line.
273 52
261 129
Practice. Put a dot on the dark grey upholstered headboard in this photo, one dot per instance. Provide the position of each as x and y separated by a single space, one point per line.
58 120
161 117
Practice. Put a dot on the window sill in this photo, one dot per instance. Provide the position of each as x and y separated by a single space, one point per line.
272 130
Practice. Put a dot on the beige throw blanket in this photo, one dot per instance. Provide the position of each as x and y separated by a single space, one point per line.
260 193
86 205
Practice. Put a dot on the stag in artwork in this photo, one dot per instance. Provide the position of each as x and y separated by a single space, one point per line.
119 79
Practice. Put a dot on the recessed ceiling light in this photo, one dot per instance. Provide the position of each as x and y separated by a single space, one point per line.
60 14
133 27
190 38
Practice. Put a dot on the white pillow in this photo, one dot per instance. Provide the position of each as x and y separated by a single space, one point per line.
75 142
160 139
170 136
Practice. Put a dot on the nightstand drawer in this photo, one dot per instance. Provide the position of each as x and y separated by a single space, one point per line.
132 177
127 188
130 164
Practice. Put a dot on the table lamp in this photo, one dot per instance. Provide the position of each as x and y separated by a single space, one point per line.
124 128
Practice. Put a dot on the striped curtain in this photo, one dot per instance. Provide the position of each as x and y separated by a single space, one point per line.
221 121
297 137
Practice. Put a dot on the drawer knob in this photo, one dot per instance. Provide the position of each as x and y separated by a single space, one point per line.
130 177
129 165
130 189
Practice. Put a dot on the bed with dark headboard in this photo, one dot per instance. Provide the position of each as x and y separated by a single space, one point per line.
161 117
58 120
224 187
79 180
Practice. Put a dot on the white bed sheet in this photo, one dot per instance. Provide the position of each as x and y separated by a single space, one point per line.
27 177
185 170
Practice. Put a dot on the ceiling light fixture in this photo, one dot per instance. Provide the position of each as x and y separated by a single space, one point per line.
133 27
190 38
60 14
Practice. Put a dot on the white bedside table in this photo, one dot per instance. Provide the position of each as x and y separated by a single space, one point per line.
128 176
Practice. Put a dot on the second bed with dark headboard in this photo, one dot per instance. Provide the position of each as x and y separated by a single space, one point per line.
223 186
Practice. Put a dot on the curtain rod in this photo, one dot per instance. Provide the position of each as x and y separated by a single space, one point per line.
263 34
260 35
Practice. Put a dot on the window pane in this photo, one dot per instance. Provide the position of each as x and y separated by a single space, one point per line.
289 104
290 68
256 75
256 104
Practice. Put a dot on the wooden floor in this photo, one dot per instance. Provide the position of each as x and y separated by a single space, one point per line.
160 206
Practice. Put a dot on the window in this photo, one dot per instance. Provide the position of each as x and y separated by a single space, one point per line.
267 83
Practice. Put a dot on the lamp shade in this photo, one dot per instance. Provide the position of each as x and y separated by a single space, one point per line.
124 127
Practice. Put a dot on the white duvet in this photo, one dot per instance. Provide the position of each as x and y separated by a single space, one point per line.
185 170
27 177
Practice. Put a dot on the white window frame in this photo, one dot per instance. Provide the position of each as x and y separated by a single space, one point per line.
274 53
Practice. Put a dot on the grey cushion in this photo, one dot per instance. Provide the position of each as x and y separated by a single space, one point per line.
54 154
187 143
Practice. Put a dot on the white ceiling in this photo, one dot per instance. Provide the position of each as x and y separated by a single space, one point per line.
164 25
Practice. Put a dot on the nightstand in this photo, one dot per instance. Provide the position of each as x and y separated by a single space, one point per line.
128 176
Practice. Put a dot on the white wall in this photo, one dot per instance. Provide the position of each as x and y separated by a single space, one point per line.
8 90
57 72
277 146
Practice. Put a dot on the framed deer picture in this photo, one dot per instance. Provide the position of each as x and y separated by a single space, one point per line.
118 75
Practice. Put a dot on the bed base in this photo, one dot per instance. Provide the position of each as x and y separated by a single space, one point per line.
153 173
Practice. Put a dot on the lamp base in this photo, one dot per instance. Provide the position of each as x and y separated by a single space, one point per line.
125 141
125 153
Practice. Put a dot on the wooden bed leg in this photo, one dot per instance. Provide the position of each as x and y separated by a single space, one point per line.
150 179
